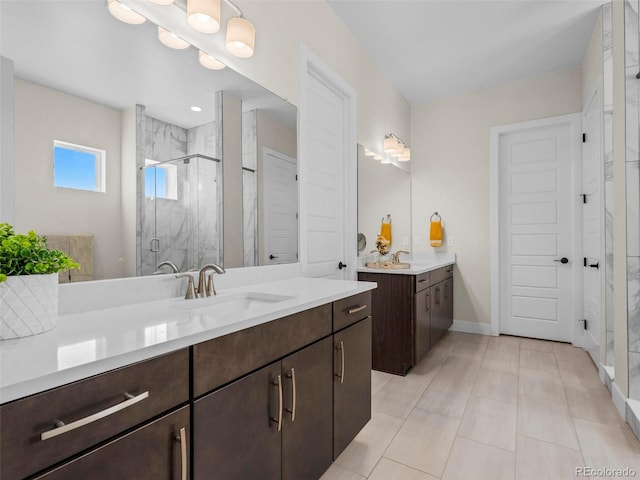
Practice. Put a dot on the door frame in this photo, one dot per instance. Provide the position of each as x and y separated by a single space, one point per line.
312 66
575 123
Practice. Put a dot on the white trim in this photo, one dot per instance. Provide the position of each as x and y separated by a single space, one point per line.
7 153
619 400
471 327
633 416
574 119
312 65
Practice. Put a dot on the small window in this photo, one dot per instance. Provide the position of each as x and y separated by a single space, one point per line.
160 180
78 167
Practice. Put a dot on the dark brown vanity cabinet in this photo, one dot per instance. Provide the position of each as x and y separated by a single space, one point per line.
411 313
274 423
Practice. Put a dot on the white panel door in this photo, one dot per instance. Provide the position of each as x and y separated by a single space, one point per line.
591 229
535 232
280 203
327 172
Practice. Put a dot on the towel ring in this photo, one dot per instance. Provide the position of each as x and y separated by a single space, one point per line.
435 214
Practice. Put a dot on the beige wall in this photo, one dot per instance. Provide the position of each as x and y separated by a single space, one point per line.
43 115
450 170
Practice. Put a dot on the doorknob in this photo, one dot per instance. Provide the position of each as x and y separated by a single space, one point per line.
342 265
271 257
562 260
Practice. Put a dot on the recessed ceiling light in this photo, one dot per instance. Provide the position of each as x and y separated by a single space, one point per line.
196 109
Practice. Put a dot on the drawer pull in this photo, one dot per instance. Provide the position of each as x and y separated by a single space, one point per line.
182 438
341 374
422 280
292 411
351 311
61 427
278 383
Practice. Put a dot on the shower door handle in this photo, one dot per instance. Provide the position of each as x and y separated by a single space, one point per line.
155 245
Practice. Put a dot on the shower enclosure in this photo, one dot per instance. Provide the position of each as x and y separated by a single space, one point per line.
180 215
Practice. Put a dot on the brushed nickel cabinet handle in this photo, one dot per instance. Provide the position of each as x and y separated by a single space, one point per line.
422 280
351 311
182 438
61 427
292 411
278 383
341 374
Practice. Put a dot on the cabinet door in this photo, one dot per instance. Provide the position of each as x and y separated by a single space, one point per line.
351 383
308 394
448 302
158 450
422 314
438 313
235 435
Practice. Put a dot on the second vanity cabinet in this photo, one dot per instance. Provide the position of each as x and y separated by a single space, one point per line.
411 313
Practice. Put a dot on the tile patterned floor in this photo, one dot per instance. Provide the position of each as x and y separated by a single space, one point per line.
491 408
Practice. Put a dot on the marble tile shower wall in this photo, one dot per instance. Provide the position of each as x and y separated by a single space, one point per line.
632 65
250 187
607 67
187 228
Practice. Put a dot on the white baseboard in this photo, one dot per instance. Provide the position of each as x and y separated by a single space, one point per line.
633 416
619 400
471 327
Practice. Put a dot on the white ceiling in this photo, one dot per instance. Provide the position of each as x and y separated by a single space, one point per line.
432 49
79 48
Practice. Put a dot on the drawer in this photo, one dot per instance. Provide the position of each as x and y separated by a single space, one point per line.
158 451
221 360
350 310
156 386
441 274
422 281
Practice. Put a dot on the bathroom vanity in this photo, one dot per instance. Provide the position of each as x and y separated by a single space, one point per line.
177 389
412 311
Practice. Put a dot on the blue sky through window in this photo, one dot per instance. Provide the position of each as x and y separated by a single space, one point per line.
155 182
74 169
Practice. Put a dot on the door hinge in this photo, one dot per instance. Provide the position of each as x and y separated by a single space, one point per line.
584 138
584 197
584 323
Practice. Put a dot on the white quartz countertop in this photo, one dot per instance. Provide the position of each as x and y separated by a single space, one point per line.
418 266
89 343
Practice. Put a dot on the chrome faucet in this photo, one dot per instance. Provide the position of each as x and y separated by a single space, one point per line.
395 257
205 287
174 268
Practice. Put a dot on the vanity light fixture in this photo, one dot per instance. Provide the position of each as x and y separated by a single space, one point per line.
124 13
396 148
171 40
385 160
204 15
378 157
369 153
241 37
209 61
162 2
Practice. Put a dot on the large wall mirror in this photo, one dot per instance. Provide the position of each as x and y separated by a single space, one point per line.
383 189
136 158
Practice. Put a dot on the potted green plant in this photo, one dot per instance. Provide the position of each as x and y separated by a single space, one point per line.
28 283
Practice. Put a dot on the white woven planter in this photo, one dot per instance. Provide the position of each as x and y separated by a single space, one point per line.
28 305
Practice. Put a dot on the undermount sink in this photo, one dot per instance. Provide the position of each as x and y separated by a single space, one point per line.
229 304
388 265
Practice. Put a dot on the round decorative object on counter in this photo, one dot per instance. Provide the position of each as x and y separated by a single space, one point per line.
362 242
